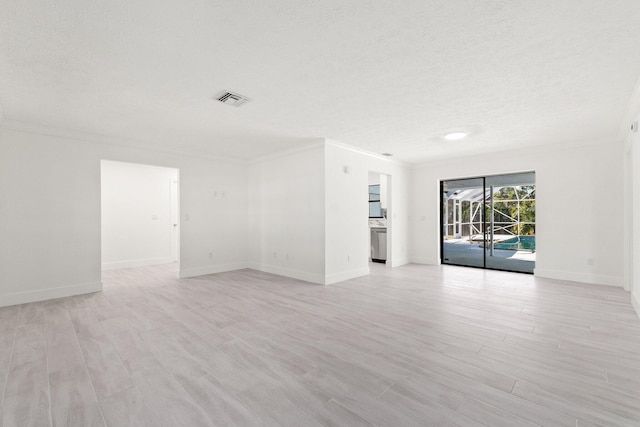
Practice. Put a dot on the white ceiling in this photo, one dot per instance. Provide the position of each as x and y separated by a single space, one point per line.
385 76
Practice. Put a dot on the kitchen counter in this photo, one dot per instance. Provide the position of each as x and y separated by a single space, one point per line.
377 223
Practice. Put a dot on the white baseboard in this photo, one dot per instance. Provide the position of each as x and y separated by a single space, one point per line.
422 260
135 263
635 301
317 279
399 262
345 275
50 293
594 279
210 269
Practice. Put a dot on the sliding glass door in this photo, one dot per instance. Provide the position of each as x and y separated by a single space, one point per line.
511 222
489 222
463 222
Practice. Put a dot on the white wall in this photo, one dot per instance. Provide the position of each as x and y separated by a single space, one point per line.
583 181
384 190
287 212
376 178
309 215
347 236
137 223
50 213
49 219
299 214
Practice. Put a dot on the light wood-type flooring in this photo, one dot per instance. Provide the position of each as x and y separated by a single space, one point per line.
412 346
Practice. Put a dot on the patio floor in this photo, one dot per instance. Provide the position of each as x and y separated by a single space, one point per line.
461 252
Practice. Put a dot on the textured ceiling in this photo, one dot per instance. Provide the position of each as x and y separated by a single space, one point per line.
385 76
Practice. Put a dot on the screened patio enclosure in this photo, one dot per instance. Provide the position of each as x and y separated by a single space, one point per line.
489 222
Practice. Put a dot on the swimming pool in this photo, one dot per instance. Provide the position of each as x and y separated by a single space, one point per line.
526 243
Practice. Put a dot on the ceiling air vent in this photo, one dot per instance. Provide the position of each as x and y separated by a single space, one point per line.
233 99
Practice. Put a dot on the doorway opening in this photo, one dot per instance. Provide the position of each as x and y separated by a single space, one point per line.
379 225
489 222
140 213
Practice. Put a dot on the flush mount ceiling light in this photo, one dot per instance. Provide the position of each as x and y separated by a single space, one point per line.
456 133
231 98
454 136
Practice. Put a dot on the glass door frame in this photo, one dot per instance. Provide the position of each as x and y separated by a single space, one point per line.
488 223
483 221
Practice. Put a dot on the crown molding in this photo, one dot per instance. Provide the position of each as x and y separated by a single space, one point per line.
368 153
530 149
287 152
87 137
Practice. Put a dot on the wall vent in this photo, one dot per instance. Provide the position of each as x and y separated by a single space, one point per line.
230 98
